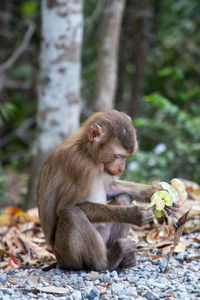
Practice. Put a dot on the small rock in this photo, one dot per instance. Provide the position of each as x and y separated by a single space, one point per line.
106 297
93 294
107 278
150 296
43 282
114 274
69 298
3 278
76 295
8 291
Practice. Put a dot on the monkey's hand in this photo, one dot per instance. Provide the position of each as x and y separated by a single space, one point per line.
172 210
141 215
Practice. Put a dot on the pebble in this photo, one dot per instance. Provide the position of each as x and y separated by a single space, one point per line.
146 281
3 278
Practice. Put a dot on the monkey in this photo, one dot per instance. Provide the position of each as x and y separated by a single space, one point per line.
85 230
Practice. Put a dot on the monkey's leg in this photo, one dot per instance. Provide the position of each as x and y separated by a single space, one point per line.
78 245
114 232
110 232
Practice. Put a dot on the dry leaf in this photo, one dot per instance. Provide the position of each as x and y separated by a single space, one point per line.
192 258
52 289
12 280
157 235
157 256
33 212
13 210
5 220
3 264
35 248
27 226
180 248
39 240
4 253
13 262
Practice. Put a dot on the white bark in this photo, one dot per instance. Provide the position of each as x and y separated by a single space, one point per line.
108 54
59 84
59 89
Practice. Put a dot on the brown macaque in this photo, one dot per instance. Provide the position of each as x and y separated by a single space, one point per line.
85 230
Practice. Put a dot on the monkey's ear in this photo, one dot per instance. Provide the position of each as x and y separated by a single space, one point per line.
94 133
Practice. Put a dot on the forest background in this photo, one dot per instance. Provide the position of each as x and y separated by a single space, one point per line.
139 56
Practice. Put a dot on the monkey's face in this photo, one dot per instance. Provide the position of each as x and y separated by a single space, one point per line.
116 167
107 148
114 164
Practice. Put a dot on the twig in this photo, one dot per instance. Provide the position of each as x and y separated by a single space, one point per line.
179 229
19 51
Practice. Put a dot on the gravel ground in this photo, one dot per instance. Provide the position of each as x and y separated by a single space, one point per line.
145 281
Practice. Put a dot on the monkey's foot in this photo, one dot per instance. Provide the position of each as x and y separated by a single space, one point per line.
129 258
122 254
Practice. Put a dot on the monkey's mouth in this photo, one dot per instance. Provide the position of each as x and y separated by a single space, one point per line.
112 173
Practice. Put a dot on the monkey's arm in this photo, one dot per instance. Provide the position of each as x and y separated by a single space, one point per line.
96 213
138 191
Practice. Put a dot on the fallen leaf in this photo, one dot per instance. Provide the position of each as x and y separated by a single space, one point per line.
27 226
4 253
5 220
39 240
157 235
157 256
52 289
13 261
33 212
192 258
180 248
12 280
197 240
166 249
34 247
13 210
3 264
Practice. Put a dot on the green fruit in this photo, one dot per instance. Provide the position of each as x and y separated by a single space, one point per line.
161 195
172 191
158 213
160 204
178 185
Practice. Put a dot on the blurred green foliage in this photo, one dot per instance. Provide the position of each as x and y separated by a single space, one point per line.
169 141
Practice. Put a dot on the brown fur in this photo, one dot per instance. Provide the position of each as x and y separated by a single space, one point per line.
65 187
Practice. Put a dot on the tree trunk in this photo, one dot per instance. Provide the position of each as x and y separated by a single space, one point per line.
133 48
108 54
59 84
140 46
125 56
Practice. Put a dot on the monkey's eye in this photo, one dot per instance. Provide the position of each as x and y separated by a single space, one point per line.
118 156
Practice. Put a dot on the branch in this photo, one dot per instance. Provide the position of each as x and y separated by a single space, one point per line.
19 51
